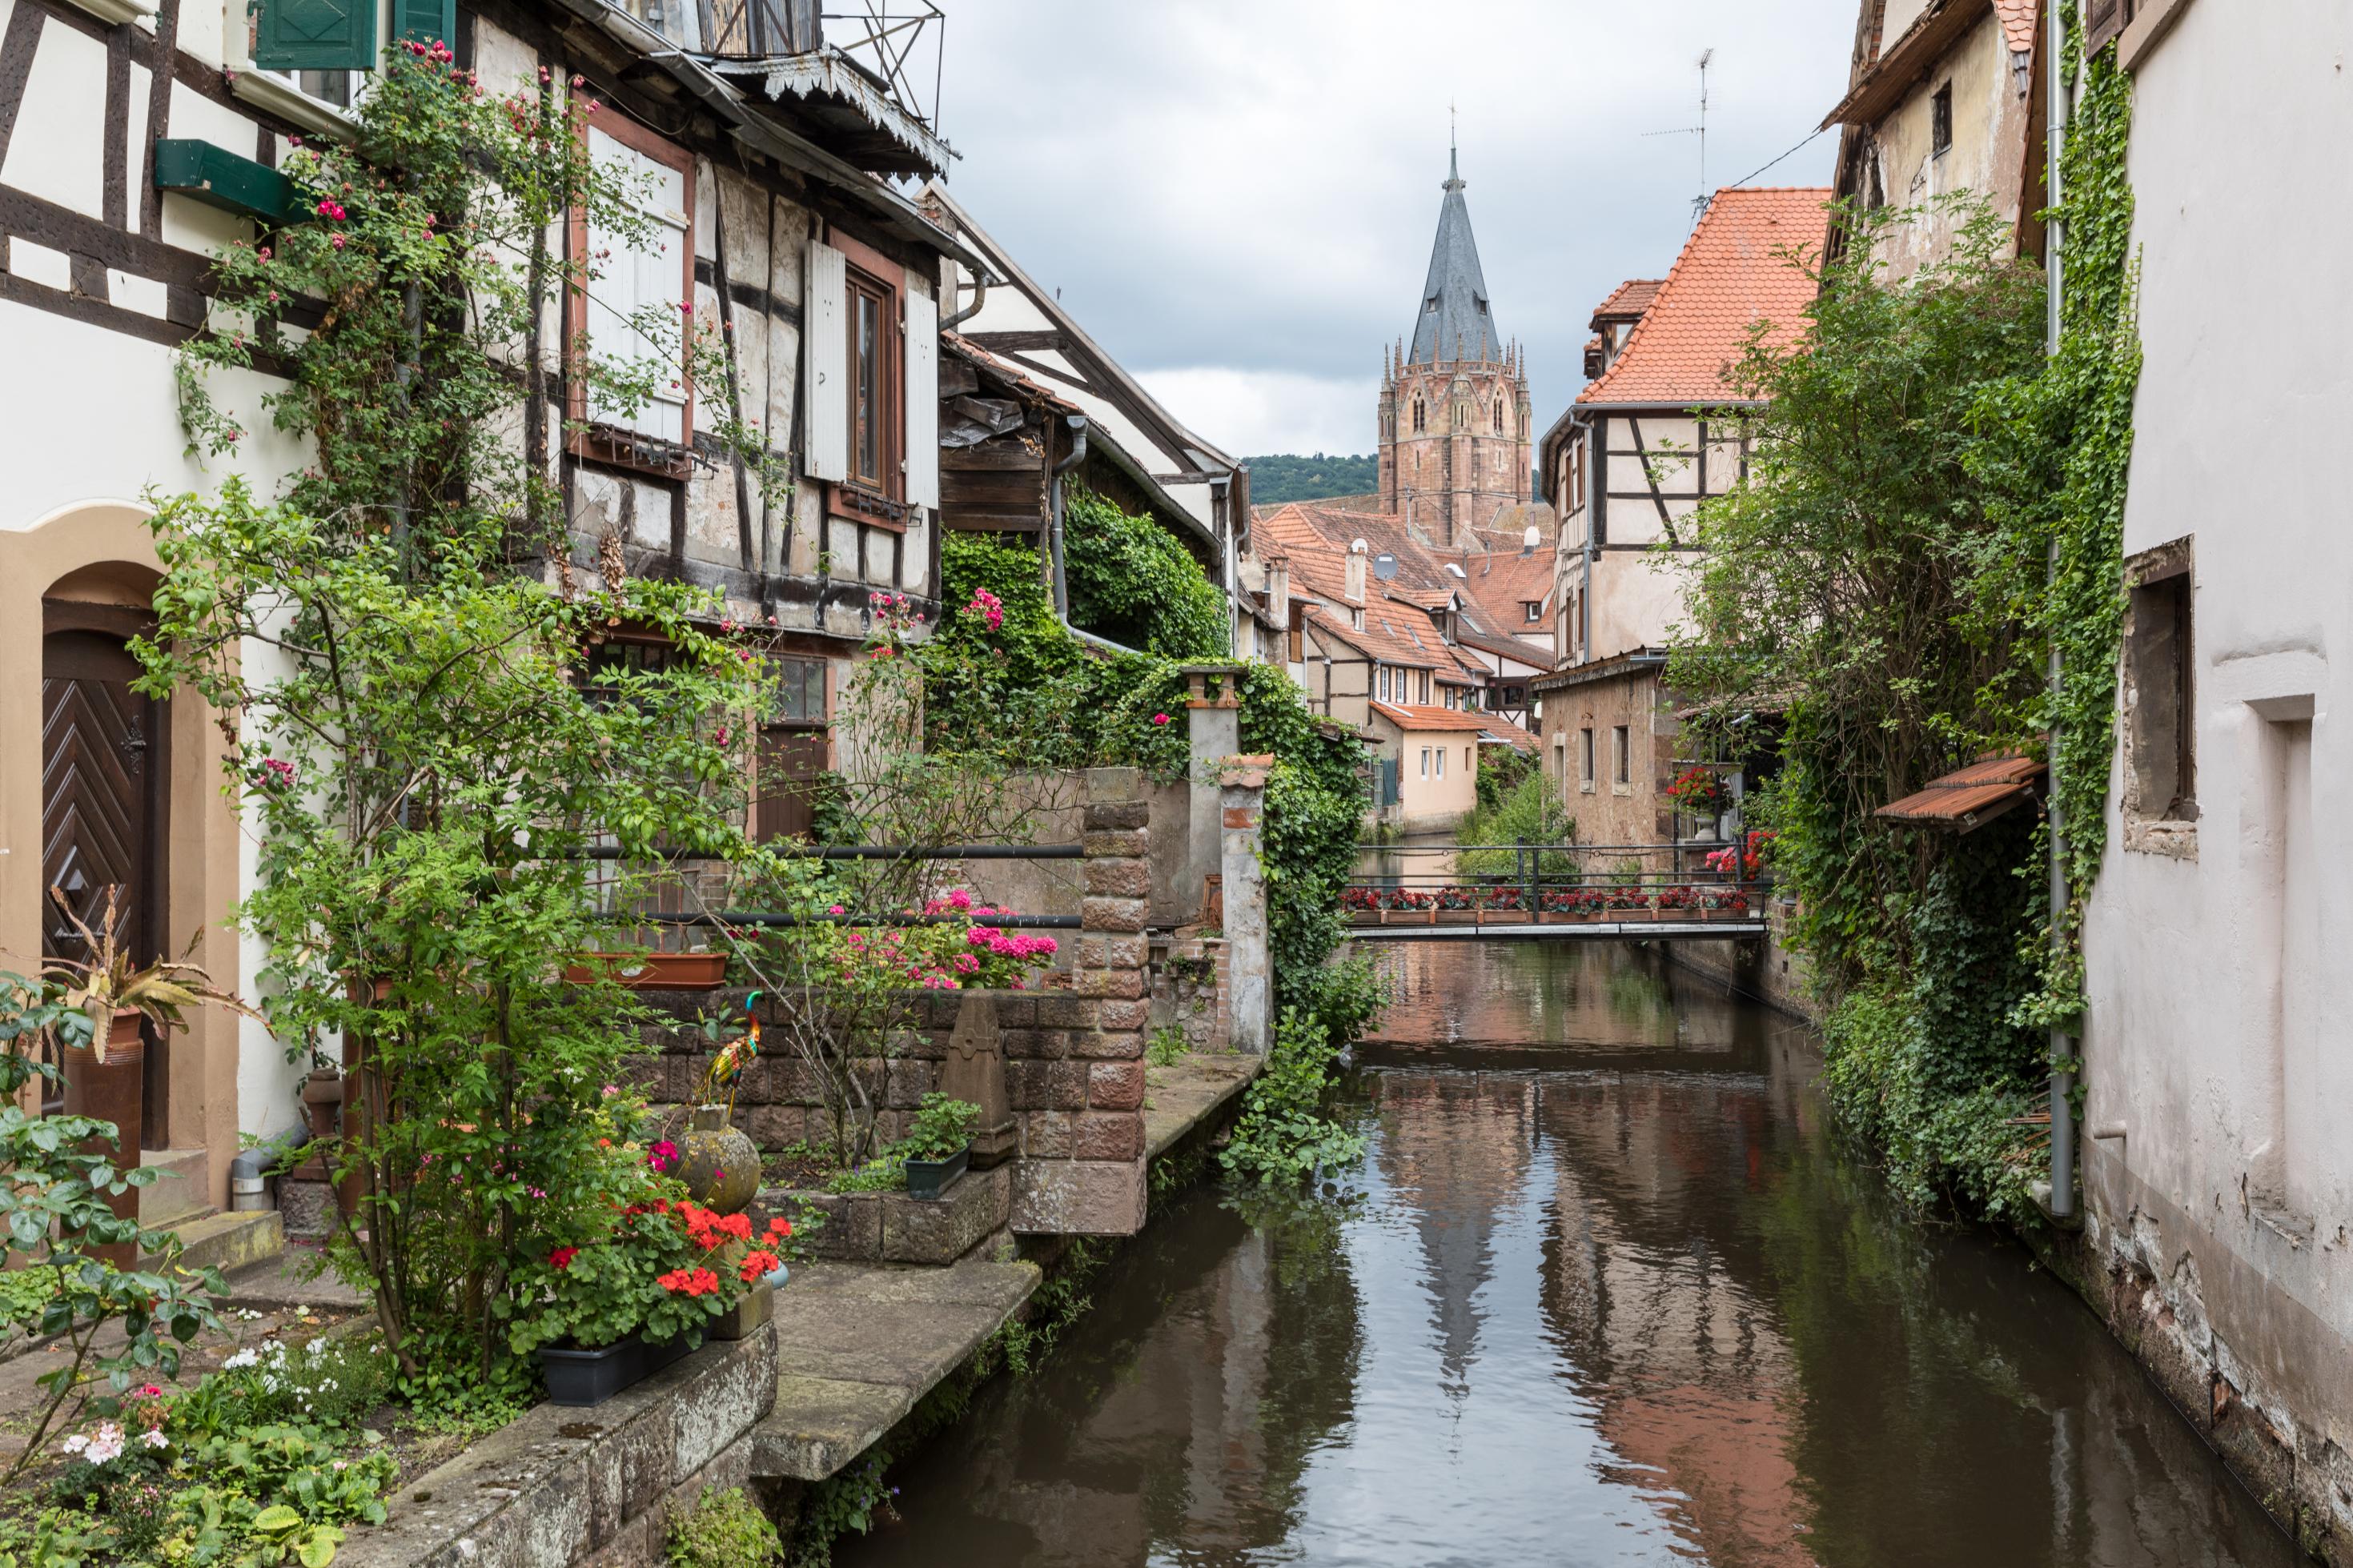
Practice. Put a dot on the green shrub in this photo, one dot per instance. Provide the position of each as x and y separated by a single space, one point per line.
722 1529
1532 811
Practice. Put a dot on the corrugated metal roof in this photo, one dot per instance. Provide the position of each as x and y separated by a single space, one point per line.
1970 797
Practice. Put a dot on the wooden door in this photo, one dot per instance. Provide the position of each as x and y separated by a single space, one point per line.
102 822
791 759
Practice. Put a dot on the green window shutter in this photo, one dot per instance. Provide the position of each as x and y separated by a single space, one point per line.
429 21
315 34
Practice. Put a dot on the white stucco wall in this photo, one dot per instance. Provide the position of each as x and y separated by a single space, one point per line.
2215 1041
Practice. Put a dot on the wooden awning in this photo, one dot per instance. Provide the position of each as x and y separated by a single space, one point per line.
1969 797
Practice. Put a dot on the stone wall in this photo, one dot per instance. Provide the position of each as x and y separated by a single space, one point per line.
1073 1054
596 1485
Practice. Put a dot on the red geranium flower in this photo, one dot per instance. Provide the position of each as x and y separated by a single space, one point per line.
562 1255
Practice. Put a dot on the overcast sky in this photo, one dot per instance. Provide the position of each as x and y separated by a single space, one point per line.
1236 198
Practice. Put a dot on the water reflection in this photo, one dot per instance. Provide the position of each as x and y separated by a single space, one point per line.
1619 1300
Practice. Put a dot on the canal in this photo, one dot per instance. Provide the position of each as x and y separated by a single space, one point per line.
1605 1290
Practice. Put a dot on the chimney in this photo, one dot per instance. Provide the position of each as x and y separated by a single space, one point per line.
1355 588
1278 589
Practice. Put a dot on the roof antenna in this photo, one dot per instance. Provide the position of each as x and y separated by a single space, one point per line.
1699 201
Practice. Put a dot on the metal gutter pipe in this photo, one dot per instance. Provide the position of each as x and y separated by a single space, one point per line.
1078 424
2063 1044
979 297
1585 595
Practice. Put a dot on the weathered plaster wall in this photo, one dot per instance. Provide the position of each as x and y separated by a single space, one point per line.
1990 105
2221 1207
1608 812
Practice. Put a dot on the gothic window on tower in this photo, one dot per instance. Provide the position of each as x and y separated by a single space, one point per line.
1499 420
1419 417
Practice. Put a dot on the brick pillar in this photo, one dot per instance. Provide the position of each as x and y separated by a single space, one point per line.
1242 800
1215 722
1080 1102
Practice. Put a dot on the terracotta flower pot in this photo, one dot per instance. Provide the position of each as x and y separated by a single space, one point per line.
717 1161
653 971
113 1091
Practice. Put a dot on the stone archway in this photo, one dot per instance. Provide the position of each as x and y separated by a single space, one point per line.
73 587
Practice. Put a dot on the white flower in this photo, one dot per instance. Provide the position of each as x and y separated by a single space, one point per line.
319 1346
153 1437
107 1446
74 1443
239 1361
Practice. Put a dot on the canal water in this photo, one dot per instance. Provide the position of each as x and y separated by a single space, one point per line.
1605 1290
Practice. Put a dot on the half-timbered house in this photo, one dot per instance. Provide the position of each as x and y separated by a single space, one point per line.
1625 466
140 137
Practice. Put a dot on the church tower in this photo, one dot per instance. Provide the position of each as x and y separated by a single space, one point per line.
1454 411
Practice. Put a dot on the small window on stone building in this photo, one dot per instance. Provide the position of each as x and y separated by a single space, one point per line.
1621 756
2159 697
1584 758
1940 121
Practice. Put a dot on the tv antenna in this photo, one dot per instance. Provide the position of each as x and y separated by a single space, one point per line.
1699 201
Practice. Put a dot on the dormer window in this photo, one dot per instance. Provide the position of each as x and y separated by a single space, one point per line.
1531 611
1429 306
1482 304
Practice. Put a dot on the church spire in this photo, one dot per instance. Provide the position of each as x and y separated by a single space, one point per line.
1454 306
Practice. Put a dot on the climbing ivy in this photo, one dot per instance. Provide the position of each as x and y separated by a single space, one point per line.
1936 507
1131 580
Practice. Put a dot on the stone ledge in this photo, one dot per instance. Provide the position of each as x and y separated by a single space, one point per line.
1184 1094
862 1345
892 1227
559 1486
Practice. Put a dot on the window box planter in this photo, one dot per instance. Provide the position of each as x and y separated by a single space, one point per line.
927 1179
655 1354
581 1378
653 971
753 1309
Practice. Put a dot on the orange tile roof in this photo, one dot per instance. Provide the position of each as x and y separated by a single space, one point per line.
1968 796
1498 582
1505 731
2018 23
1730 276
1417 718
1627 300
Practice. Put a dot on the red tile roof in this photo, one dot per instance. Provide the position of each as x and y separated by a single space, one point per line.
2018 23
1731 275
1968 796
1417 718
1498 584
1503 730
1627 301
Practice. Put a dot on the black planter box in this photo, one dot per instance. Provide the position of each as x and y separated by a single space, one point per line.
576 1377
927 1179
660 1353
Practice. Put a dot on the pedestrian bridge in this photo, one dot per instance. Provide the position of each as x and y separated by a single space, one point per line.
1696 891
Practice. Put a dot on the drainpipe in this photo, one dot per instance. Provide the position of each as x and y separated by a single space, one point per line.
1584 595
2063 1046
1078 424
979 297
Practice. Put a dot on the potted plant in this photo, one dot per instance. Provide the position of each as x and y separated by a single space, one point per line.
700 971
938 1145
1678 903
643 1287
107 1082
1626 903
1454 902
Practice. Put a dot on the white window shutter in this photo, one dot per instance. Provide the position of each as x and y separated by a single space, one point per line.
922 383
825 364
634 277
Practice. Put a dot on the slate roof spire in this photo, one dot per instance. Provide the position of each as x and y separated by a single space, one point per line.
1454 306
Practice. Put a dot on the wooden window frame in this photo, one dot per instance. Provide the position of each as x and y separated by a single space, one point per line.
2103 21
603 445
869 270
1940 121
